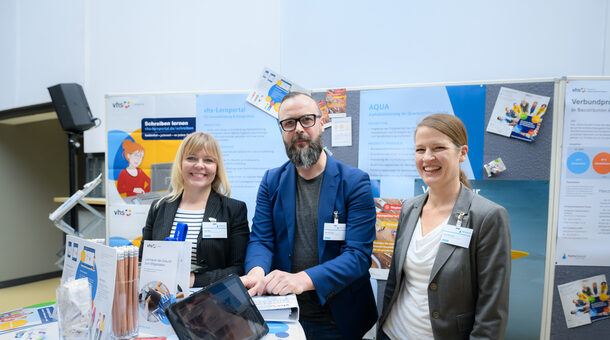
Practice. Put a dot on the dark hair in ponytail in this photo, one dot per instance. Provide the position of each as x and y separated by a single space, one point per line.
452 127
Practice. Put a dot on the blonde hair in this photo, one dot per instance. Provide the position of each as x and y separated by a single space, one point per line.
452 127
192 143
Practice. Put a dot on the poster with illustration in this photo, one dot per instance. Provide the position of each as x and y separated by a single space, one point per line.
386 224
269 91
325 117
97 263
518 114
144 133
336 101
584 301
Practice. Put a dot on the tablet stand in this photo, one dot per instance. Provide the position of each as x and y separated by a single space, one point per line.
77 198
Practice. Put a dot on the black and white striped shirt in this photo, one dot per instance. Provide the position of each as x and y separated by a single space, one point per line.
194 219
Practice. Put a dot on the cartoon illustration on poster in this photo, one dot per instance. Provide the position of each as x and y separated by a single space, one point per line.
144 133
141 167
132 180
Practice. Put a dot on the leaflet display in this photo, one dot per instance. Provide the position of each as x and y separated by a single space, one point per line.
97 263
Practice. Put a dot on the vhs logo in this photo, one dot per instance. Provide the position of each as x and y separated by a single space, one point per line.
122 212
121 105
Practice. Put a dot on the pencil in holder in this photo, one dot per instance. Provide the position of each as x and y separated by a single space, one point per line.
125 304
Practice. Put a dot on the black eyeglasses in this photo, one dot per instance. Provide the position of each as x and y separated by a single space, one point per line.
307 121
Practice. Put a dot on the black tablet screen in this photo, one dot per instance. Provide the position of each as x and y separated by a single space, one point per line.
223 310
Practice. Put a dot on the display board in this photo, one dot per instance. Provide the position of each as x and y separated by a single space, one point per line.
383 120
582 205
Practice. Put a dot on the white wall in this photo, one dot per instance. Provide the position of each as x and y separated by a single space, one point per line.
160 46
8 38
358 43
116 46
42 45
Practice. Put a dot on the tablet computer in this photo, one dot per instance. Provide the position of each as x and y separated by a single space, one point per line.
222 310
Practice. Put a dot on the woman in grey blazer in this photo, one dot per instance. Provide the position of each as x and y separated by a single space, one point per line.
199 195
443 283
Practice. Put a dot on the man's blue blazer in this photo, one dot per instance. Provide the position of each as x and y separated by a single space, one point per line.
342 278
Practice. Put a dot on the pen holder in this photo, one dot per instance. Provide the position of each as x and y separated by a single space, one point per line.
125 304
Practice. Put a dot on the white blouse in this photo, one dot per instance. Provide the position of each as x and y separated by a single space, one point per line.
410 315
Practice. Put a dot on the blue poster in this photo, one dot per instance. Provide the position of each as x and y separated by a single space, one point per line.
250 141
388 119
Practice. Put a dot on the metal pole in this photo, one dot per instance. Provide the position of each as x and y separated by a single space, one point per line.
72 172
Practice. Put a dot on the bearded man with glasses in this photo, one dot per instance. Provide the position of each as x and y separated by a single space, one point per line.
313 231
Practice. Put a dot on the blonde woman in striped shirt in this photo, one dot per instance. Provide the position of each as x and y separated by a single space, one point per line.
199 194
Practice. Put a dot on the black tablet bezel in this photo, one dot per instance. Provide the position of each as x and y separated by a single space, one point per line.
184 332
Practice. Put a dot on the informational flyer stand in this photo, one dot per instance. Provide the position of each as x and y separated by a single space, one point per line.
97 263
164 277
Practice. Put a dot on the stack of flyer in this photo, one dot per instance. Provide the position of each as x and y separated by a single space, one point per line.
282 316
278 308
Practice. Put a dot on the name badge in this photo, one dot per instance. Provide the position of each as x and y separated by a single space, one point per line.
457 236
334 231
214 229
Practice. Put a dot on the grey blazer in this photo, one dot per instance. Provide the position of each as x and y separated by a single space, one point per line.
468 287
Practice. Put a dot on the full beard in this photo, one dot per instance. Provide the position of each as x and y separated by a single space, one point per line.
305 157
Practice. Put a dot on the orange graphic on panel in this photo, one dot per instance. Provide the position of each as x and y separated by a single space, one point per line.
601 163
12 324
